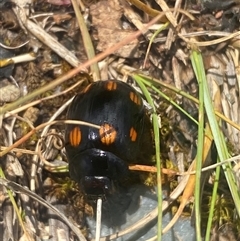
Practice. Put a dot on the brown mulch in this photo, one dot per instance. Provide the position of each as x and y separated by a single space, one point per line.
45 35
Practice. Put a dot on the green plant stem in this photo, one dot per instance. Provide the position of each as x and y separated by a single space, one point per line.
219 139
200 143
10 195
184 94
86 40
213 203
149 99
147 83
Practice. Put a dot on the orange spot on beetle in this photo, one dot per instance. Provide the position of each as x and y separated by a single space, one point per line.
75 136
133 134
135 98
111 85
107 134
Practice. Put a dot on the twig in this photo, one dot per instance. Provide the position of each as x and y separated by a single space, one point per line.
18 188
98 219
73 72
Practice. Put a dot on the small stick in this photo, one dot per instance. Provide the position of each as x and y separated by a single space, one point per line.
98 219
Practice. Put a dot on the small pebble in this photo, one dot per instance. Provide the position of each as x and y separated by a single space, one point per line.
9 93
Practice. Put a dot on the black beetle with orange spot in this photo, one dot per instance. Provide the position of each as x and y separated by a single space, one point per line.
99 157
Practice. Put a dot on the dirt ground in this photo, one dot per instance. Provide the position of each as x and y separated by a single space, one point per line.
51 49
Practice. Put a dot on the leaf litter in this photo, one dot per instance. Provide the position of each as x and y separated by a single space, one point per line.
46 33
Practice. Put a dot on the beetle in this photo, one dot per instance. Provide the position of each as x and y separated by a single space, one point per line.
100 157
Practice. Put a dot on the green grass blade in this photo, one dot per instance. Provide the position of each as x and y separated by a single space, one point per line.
149 99
212 205
219 138
200 144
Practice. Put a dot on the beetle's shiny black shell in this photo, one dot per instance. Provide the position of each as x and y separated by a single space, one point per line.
99 156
